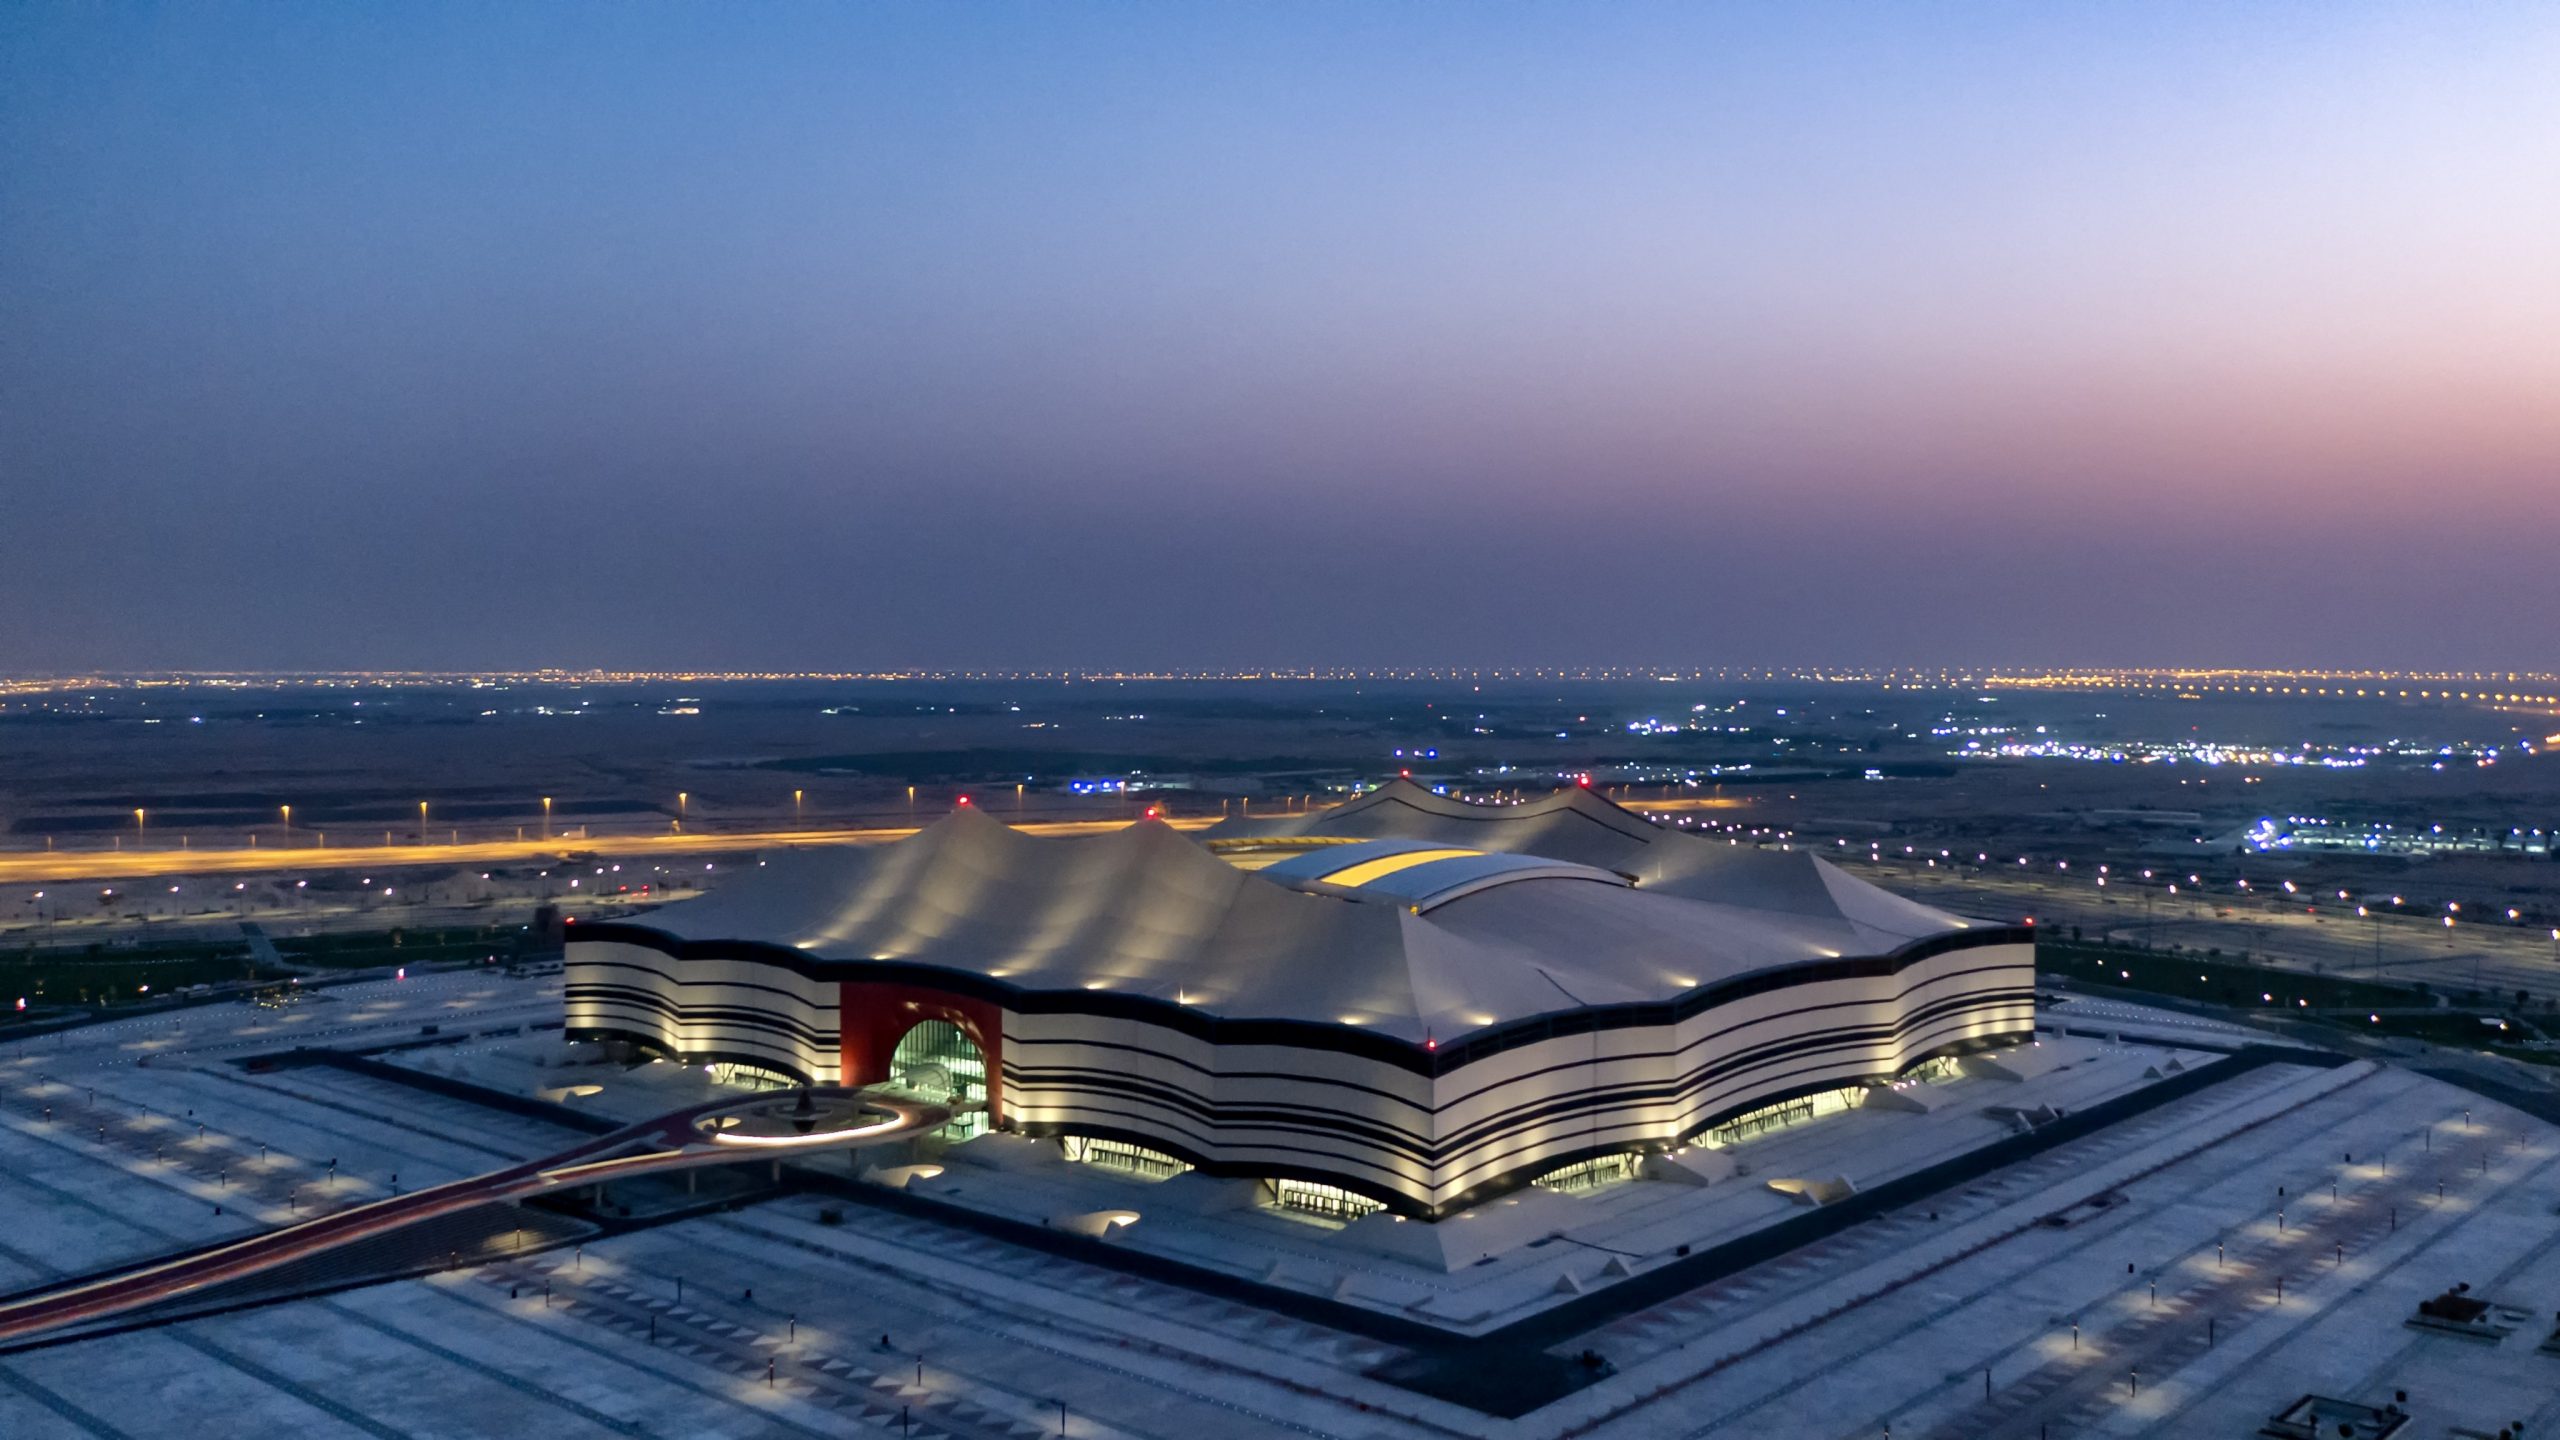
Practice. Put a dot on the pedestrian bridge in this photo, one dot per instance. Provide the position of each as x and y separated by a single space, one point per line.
775 1125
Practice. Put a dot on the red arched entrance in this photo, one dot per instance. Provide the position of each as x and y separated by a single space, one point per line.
875 1014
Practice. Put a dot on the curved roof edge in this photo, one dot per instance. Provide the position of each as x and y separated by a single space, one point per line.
1422 1057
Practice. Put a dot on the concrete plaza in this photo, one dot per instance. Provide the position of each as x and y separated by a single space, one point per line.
1955 1315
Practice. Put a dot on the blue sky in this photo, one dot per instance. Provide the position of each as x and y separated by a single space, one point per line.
1013 335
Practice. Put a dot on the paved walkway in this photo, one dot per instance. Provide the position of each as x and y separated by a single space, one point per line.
673 1141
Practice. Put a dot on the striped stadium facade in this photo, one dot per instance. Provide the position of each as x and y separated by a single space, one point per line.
1424 1023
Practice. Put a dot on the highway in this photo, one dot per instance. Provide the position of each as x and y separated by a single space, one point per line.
38 867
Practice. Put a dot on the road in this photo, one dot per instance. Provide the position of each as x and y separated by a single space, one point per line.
35 867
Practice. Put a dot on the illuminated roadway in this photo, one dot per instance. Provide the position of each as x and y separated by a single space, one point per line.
2486 955
717 1133
53 866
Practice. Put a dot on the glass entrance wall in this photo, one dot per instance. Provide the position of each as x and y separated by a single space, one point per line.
939 1060
1780 1116
1594 1174
748 1077
1320 1204
1128 1159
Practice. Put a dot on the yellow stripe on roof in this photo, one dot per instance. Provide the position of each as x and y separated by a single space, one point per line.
1386 865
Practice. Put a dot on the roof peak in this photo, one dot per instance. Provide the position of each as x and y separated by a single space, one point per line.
1580 798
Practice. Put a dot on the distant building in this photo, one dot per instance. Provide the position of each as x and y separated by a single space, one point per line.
1135 782
2307 834
1413 1002
2189 820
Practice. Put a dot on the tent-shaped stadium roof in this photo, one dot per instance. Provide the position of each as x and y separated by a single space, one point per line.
1422 874
1417 942
1584 828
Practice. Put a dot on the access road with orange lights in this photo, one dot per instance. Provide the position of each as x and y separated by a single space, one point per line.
39 867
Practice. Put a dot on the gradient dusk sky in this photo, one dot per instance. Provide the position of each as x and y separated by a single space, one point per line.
1061 334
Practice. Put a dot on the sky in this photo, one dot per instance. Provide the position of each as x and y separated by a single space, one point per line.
860 335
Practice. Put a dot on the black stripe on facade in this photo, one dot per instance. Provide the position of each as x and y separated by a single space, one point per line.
1355 1172
1020 1072
1714 1037
657 1043
1031 1084
1338 1145
681 1012
1301 1034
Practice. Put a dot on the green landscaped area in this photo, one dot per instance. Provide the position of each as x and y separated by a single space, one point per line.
102 975
2475 1020
2217 981
89 976
2475 1029
402 947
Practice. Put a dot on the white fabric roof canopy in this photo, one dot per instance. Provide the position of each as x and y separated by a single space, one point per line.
1148 911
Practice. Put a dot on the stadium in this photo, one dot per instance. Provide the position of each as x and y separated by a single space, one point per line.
1407 1001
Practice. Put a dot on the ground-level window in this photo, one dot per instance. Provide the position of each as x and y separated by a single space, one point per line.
939 1060
1121 1156
1594 1174
748 1077
1325 1204
1781 1115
